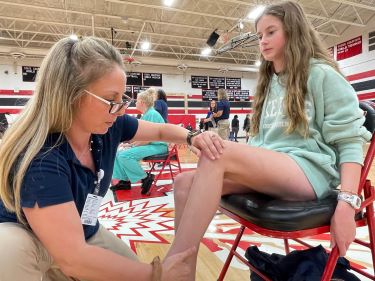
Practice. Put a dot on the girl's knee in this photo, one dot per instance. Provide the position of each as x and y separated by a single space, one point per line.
205 162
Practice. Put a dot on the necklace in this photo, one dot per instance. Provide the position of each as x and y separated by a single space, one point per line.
90 143
83 153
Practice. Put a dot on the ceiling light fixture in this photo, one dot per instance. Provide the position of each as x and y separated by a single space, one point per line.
73 37
145 46
256 12
168 2
240 25
206 51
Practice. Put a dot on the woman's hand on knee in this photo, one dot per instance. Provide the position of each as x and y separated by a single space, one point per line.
208 142
176 267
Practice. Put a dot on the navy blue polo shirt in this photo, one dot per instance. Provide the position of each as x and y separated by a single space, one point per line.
56 176
223 105
162 107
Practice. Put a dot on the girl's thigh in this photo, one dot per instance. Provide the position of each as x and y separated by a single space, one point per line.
274 173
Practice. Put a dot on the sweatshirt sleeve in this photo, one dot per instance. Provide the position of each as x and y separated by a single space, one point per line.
342 124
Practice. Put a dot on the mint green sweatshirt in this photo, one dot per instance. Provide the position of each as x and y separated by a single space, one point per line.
335 133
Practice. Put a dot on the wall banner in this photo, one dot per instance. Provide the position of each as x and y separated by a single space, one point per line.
349 48
371 41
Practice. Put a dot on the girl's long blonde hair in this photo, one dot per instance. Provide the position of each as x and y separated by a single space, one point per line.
69 67
302 44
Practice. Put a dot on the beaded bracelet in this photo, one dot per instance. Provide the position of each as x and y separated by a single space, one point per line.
348 191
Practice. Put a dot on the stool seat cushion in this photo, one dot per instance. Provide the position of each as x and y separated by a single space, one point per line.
281 215
159 157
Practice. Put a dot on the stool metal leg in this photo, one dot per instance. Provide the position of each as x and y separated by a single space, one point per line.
231 254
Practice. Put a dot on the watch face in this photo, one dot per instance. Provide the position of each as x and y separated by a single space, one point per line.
351 199
357 202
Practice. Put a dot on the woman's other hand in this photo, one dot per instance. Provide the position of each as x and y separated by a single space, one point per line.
176 267
209 143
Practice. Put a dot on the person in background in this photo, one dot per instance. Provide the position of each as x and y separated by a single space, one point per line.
307 136
235 127
222 114
56 164
127 168
209 121
161 105
201 124
246 126
3 123
189 127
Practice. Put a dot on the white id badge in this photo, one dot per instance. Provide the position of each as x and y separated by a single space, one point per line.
91 209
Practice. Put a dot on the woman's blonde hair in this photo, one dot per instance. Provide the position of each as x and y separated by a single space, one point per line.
147 97
69 67
222 94
302 44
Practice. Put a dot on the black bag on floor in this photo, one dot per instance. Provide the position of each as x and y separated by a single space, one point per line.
299 265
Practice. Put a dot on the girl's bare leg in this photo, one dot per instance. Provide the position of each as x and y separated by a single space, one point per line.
244 168
182 188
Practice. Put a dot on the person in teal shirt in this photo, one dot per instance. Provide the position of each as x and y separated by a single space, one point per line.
127 166
307 135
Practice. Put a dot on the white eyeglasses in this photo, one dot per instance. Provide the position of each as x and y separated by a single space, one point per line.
114 107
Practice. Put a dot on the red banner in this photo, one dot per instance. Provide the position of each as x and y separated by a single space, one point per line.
349 48
182 119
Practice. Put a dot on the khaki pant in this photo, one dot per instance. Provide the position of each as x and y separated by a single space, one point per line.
24 258
212 129
223 128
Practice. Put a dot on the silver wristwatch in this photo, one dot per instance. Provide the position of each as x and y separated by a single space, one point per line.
352 199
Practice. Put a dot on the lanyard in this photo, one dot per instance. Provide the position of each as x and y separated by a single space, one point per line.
99 177
97 154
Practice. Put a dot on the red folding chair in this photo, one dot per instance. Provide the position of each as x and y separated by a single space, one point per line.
295 220
169 159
